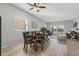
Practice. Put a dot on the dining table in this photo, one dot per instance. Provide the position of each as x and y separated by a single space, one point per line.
35 37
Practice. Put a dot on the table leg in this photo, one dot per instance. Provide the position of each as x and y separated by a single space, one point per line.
36 46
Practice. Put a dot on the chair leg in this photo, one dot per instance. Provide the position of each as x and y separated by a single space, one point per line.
36 46
42 46
26 48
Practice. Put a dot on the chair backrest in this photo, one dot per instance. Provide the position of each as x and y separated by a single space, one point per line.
25 34
34 33
27 38
41 35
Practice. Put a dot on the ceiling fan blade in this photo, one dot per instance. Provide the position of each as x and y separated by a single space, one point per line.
30 4
41 7
31 8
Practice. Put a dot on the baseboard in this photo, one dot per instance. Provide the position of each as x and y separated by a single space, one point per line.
12 44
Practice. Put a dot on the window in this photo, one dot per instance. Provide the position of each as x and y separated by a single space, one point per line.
58 28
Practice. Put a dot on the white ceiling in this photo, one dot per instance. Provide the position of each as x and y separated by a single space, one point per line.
53 11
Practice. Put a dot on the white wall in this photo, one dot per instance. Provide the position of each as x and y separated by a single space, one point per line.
68 24
8 12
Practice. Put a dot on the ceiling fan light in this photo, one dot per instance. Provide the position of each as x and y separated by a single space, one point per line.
34 8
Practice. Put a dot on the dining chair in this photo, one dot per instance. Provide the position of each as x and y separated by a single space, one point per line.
42 38
27 40
77 37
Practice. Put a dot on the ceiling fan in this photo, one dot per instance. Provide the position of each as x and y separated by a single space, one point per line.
36 6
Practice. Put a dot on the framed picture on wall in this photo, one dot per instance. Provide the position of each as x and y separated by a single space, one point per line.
20 23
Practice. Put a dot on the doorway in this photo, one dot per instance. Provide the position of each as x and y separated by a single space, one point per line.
0 35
